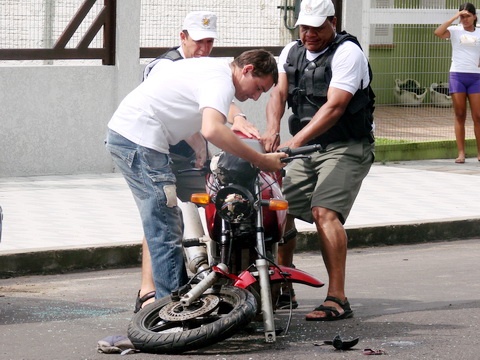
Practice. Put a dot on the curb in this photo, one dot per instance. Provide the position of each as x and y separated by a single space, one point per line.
69 260
423 150
124 256
403 234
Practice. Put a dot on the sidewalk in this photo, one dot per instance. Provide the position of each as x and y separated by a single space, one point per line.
57 223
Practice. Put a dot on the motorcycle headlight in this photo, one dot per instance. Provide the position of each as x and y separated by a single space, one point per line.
230 169
234 203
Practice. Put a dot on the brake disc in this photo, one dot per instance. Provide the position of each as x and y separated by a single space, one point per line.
174 311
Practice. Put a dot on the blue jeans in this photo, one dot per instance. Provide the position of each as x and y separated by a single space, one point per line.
150 178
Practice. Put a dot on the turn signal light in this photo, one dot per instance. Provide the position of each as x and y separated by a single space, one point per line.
200 198
277 204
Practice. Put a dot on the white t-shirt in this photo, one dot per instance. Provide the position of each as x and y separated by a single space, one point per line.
465 50
167 106
349 66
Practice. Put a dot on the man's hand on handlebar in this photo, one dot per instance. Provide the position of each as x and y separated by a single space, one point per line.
271 162
299 152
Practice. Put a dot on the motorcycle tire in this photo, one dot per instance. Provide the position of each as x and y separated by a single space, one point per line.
148 332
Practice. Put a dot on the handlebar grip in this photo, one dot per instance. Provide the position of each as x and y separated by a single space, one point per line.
302 150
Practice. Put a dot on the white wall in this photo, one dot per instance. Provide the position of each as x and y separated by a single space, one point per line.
53 118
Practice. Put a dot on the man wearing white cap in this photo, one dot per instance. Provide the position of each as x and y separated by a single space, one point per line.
324 77
197 37
199 31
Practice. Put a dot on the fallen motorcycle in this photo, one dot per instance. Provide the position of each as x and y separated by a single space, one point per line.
234 267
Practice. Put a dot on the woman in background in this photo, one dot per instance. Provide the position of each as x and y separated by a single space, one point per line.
464 79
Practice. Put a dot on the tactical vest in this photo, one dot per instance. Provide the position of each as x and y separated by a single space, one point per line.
308 83
172 54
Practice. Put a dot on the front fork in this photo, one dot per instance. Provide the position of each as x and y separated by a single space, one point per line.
263 274
266 299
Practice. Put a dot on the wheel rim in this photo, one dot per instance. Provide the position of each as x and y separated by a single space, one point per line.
172 318
177 312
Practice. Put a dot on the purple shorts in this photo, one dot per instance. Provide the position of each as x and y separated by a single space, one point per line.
468 83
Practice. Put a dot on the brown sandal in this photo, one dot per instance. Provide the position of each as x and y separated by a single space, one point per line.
331 312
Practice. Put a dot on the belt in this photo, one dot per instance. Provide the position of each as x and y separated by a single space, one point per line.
370 137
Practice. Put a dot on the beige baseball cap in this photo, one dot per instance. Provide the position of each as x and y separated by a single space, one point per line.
315 12
201 25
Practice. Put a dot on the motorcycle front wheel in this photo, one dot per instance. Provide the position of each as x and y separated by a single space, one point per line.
164 326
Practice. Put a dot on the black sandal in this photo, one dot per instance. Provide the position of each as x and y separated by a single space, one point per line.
284 300
140 300
331 313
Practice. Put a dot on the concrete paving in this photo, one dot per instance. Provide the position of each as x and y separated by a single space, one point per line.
58 223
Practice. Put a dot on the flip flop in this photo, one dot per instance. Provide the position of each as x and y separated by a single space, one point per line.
460 160
331 313
140 300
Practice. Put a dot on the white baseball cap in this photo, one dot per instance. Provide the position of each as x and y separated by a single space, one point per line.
201 25
315 12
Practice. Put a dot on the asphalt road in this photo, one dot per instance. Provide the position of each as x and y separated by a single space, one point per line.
413 302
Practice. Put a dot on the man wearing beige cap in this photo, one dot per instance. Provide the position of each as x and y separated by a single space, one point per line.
199 31
324 78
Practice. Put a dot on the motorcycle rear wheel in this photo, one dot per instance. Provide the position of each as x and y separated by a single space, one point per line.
148 332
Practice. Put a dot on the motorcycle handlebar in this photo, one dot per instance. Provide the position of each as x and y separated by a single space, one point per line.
297 153
300 152
203 170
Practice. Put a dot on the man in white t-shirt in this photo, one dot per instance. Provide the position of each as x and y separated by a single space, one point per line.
324 77
197 37
169 106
